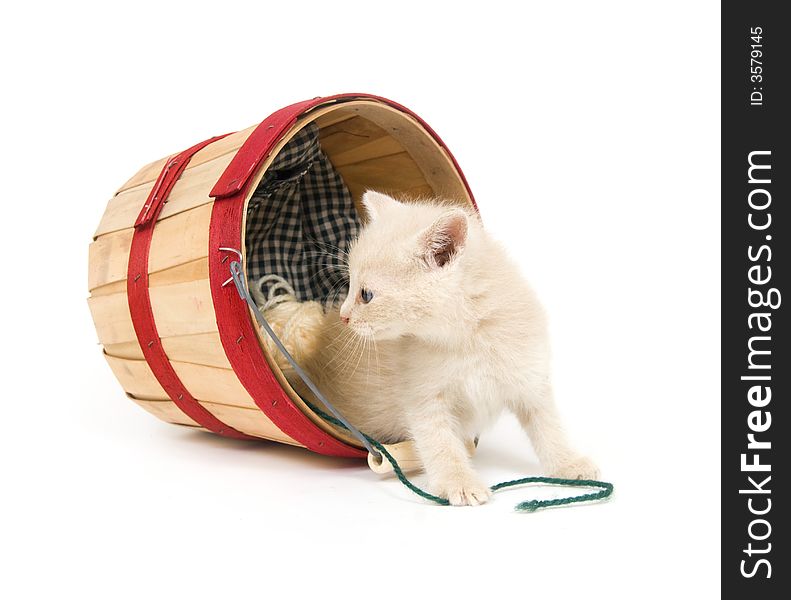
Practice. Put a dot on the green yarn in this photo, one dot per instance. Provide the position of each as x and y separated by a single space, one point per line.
605 488
605 491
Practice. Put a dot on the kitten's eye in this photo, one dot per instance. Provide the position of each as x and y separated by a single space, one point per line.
366 295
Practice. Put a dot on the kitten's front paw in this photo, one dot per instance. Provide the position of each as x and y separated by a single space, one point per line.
463 491
580 467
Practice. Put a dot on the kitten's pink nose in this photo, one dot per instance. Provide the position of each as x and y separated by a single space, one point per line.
344 319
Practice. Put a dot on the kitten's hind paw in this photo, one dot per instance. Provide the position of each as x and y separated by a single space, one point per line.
580 467
464 491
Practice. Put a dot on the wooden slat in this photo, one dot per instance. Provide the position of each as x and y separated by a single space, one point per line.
350 134
249 421
130 350
383 146
387 174
211 384
197 269
201 349
180 239
336 116
179 309
165 410
112 319
108 257
136 377
111 288
183 308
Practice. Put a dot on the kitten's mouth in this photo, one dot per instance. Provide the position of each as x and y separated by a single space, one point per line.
381 333
363 330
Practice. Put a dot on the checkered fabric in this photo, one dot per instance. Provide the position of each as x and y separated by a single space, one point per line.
299 219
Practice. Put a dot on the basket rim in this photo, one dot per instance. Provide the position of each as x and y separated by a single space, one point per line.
256 370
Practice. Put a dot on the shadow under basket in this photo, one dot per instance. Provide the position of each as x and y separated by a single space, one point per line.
175 332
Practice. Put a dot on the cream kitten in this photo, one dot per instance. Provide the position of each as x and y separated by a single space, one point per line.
438 334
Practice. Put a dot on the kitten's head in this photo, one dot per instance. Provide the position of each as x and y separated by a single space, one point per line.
405 268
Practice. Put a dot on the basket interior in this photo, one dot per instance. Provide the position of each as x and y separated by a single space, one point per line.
306 206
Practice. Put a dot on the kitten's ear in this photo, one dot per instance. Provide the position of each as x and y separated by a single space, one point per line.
375 203
445 238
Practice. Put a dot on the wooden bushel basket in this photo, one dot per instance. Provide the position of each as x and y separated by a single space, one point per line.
177 336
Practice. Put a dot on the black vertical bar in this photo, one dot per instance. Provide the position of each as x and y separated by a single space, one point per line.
756 264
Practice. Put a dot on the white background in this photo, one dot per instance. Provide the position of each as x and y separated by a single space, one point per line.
589 133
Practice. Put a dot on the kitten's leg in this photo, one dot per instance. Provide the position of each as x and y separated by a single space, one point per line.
539 418
443 452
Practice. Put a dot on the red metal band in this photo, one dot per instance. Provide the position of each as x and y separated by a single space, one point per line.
237 331
140 300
